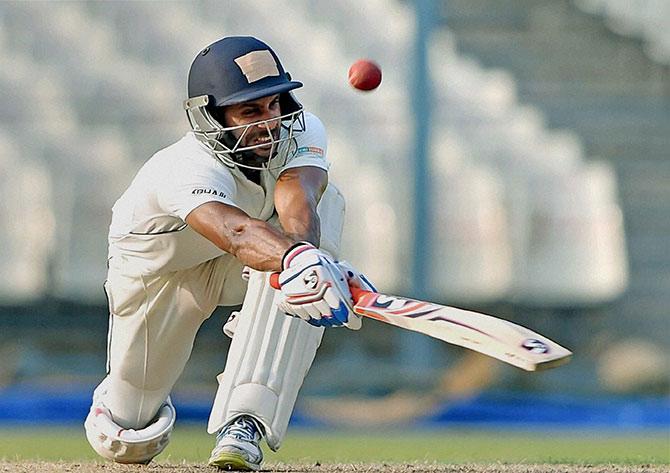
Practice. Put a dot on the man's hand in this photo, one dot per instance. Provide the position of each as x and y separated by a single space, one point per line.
316 289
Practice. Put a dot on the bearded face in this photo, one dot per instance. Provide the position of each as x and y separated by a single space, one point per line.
246 134
264 114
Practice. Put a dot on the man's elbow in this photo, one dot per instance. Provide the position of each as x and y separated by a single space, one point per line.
236 236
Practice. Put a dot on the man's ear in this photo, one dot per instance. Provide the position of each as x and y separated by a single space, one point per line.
218 113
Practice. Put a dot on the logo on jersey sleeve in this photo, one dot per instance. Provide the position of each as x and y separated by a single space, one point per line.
309 150
204 190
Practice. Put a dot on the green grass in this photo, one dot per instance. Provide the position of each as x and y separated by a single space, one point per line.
192 444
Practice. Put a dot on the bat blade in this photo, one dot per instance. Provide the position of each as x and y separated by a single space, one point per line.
498 338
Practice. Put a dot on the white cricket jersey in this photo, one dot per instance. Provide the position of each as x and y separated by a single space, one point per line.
148 233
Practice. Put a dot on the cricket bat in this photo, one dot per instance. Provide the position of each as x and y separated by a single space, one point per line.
498 338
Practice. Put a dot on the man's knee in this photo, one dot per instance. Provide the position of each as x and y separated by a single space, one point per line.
114 442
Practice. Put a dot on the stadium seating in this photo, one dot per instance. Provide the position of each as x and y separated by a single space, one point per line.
27 219
472 252
648 20
110 78
574 248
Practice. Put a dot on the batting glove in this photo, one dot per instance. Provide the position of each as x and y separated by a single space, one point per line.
316 288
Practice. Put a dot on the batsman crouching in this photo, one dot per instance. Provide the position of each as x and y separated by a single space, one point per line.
246 190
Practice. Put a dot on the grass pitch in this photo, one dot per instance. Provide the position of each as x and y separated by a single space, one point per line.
310 450
44 467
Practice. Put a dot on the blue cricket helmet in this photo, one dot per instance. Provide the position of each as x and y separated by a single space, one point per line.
236 69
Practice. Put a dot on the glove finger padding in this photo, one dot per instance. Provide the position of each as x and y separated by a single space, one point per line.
322 307
313 310
298 311
355 279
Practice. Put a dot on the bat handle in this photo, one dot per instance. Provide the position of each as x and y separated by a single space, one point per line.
274 281
356 292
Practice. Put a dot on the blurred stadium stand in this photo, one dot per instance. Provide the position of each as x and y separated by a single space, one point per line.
604 88
550 159
648 20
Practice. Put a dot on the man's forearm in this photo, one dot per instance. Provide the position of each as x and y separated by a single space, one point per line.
259 245
255 243
297 194
304 226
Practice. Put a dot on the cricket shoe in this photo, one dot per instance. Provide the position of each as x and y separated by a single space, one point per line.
237 446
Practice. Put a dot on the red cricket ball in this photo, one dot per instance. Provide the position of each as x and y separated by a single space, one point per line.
365 75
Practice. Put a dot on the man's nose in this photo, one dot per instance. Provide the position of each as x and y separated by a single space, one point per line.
272 120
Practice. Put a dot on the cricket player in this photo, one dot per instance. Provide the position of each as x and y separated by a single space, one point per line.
204 223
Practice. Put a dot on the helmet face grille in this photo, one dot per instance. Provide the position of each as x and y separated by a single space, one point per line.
228 143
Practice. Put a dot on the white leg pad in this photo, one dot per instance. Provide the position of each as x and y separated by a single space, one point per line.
113 442
267 362
271 352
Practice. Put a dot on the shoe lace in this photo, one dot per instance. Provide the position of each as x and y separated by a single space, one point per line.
243 428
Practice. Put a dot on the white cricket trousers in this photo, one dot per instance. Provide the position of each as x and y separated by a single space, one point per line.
153 323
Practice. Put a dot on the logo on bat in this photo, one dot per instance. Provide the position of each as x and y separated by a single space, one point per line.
388 302
535 346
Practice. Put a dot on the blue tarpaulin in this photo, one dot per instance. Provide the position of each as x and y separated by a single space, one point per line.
30 406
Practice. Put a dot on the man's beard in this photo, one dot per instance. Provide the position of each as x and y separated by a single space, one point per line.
260 156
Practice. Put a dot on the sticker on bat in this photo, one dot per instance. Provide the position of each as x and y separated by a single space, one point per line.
390 303
535 346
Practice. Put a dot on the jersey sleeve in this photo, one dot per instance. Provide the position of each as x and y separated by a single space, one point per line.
311 146
193 183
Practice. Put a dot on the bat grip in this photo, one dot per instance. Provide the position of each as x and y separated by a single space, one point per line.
356 292
274 281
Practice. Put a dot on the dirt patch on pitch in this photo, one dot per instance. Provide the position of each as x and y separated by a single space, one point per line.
46 467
